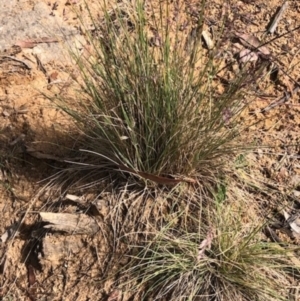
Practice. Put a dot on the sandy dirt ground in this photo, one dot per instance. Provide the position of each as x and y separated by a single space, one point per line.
30 126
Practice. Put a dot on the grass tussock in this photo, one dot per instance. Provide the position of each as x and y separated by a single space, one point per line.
149 104
225 259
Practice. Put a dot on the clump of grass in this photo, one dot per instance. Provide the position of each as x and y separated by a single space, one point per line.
148 105
148 100
227 260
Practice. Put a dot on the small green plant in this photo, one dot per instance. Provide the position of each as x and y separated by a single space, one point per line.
148 102
220 195
228 260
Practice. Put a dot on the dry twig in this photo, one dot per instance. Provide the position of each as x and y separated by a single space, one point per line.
281 100
277 18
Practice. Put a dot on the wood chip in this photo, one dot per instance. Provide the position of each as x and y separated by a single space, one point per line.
208 41
293 221
70 223
277 18
73 197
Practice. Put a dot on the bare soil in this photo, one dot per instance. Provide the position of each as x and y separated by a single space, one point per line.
57 266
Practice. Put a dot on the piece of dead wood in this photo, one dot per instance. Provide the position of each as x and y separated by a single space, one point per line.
79 200
70 223
253 43
277 18
293 221
73 197
208 40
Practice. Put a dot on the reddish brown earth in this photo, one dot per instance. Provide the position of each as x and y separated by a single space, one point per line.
30 122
